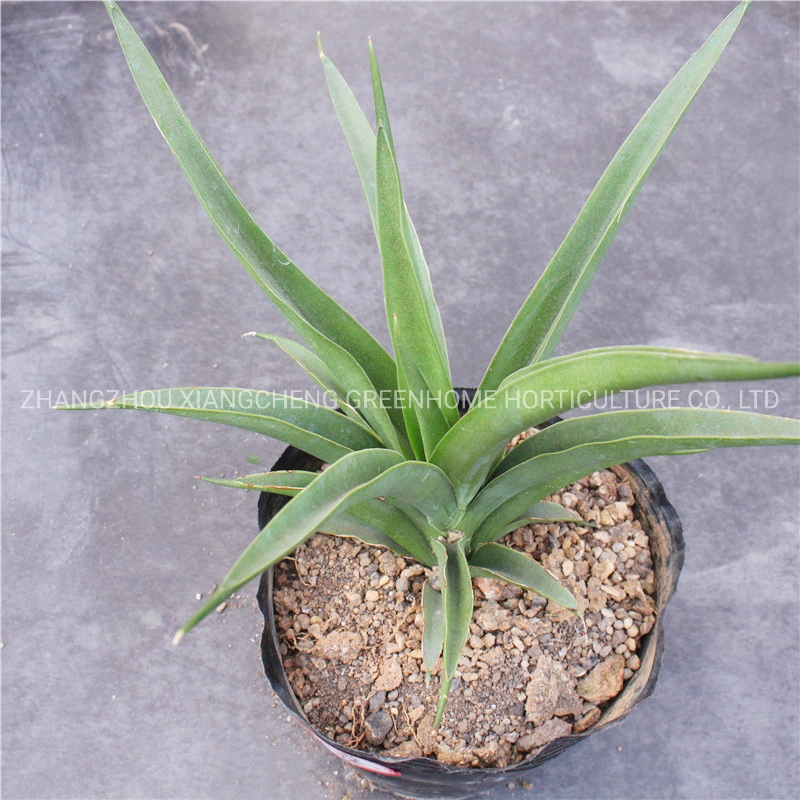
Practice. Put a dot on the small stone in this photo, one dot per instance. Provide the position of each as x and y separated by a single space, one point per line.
569 500
491 588
402 584
604 681
371 596
587 720
377 727
633 663
341 646
603 568
408 749
493 618
549 692
376 701
552 729
567 568
390 677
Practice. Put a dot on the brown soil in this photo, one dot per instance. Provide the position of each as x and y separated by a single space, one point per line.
349 617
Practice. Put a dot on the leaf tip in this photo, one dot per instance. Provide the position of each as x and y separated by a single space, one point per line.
178 636
319 45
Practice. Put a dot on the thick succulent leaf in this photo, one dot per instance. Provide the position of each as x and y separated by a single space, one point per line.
333 334
328 376
542 514
285 482
415 347
543 390
385 524
551 512
457 601
347 526
402 523
544 315
362 143
433 631
603 440
318 430
355 478
503 563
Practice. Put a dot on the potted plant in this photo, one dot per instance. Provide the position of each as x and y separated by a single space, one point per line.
406 470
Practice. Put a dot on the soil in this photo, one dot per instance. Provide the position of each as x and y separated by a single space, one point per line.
350 622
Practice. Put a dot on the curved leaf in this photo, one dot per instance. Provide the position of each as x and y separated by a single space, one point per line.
355 478
286 482
323 323
604 440
503 563
548 388
320 431
457 601
375 521
418 357
543 514
540 322
362 143
329 377
433 630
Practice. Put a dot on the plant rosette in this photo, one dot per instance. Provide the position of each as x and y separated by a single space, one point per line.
519 710
405 470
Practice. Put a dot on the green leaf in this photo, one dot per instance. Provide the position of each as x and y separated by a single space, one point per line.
320 431
542 514
345 525
400 524
329 377
552 512
574 448
505 564
544 315
331 332
457 601
416 352
384 523
362 143
543 390
285 482
433 631
355 478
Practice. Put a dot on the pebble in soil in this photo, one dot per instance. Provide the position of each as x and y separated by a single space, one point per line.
350 622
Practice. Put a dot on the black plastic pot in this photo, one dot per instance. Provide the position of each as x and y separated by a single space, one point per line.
428 778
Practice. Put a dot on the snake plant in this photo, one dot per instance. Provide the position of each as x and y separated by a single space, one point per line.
406 471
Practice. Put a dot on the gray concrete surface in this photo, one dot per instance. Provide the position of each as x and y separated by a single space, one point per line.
504 115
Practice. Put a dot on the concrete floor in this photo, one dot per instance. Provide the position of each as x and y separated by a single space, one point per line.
113 279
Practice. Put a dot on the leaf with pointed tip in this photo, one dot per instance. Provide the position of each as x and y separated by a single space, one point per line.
457 602
543 514
423 365
345 525
318 430
354 479
328 377
386 524
540 322
331 332
285 482
402 523
574 448
362 142
433 630
503 563
536 393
